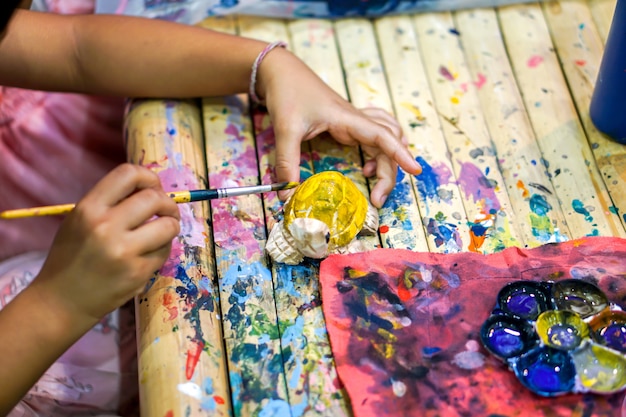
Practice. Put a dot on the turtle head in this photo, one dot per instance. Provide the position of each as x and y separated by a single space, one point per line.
311 237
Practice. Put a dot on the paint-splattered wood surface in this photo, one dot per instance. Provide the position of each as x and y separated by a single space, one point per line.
493 103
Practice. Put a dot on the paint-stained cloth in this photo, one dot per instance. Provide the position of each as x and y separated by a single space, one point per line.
404 328
97 376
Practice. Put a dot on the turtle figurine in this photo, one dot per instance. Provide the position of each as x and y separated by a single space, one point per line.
324 215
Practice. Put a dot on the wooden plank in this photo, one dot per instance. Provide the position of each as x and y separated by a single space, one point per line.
533 198
602 12
251 333
439 198
485 199
182 368
400 220
312 384
566 154
580 51
314 42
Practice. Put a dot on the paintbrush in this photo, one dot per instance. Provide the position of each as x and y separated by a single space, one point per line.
178 196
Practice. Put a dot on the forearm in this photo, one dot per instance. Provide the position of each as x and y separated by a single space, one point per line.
125 56
34 334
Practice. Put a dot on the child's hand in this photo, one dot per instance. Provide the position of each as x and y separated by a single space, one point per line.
108 247
302 106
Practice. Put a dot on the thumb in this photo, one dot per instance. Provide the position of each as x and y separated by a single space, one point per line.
288 156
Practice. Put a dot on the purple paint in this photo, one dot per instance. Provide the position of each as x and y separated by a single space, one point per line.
479 187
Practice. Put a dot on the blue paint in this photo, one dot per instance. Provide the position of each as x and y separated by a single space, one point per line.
478 229
400 197
430 351
539 205
445 234
607 103
275 408
546 371
427 181
580 209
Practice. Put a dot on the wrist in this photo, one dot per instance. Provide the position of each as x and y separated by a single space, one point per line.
261 70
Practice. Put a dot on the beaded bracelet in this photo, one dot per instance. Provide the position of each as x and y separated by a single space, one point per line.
255 68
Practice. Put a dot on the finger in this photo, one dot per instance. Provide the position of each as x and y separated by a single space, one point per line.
120 183
373 134
154 235
386 170
369 168
386 118
288 153
144 205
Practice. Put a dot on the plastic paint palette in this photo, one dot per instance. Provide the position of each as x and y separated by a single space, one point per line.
559 337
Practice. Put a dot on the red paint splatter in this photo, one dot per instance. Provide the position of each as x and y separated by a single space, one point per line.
534 61
403 292
580 62
168 303
169 413
445 73
384 229
218 399
482 79
193 356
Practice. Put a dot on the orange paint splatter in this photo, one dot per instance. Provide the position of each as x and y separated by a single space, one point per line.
580 62
169 413
534 61
476 242
522 187
218 399
193 356
384 229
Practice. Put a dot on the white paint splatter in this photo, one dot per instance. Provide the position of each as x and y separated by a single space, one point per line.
469 360
190 389
399 388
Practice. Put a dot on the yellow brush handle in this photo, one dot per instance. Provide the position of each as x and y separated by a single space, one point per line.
37 211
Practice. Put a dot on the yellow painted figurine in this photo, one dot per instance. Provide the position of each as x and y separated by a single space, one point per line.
323 216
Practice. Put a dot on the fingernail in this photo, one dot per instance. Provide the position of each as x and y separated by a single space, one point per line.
418 167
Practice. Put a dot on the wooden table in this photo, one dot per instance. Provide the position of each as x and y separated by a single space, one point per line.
495 105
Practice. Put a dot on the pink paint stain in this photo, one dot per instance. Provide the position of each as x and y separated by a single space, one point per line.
445 73
580 62
233 231
480 82
534 61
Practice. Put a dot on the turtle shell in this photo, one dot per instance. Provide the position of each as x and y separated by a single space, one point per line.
332 198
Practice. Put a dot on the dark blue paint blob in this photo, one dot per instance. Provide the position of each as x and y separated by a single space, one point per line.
507 337
546 371
614 336
524 299
478 229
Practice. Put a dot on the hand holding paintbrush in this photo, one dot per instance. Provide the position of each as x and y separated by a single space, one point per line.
177 196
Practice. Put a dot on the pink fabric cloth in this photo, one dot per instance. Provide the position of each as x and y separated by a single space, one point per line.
53 149
97 376
404 328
